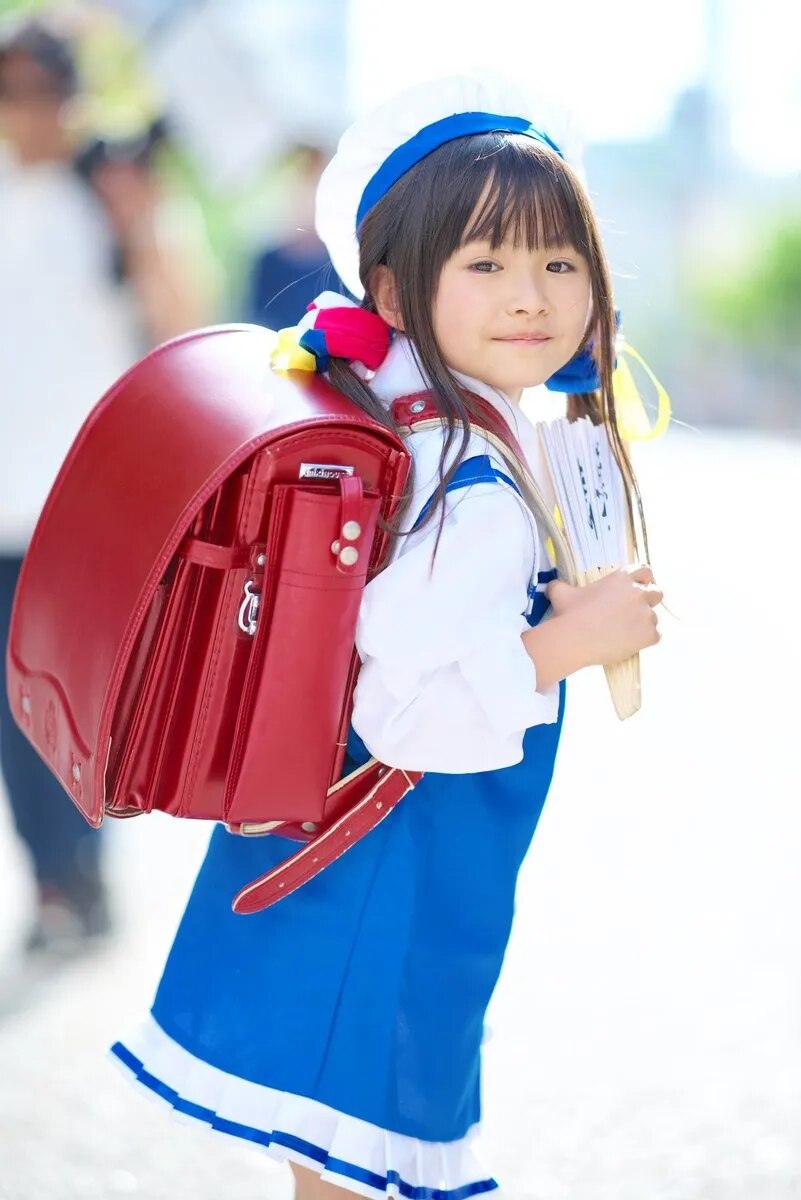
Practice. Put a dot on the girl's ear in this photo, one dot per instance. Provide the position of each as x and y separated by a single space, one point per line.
385 295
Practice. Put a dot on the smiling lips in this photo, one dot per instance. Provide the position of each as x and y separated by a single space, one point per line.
525 339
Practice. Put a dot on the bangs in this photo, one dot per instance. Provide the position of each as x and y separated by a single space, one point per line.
490 187
531 197
498 188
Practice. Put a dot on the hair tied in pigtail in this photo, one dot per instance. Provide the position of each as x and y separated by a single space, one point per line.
633 421
333 327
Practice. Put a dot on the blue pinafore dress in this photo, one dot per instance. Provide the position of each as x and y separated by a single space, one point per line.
341 1028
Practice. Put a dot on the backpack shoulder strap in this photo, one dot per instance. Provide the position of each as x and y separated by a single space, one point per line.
417 412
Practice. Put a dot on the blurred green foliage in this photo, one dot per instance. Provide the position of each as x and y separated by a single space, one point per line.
758 300
12 8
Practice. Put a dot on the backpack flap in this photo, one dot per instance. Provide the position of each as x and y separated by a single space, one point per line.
179 455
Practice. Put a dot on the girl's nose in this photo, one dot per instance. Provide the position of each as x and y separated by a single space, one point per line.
528 297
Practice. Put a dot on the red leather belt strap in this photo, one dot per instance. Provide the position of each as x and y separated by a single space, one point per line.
351 524
388 789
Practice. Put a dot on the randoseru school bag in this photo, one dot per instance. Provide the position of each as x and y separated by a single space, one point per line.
183 631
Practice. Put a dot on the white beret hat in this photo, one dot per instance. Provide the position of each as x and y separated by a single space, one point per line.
379 147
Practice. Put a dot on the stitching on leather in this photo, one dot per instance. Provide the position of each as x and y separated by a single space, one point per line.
278 510
197 733
243 525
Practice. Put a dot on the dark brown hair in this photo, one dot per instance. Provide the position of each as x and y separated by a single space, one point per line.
492 187
34 40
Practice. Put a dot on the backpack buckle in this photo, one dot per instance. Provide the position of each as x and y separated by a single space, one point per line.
249 609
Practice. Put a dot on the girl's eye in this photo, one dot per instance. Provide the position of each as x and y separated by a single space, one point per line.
484 267
560 267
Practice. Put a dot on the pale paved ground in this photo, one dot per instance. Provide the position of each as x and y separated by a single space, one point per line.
646 1035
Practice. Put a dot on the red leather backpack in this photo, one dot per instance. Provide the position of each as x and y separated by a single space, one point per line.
183 629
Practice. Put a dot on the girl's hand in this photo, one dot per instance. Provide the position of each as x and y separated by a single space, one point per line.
614 617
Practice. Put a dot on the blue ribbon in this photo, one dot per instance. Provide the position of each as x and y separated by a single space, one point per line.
313 340
580 375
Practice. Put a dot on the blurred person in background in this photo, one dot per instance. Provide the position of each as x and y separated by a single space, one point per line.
87 285
286 277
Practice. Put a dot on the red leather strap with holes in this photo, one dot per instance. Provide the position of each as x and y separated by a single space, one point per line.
384 791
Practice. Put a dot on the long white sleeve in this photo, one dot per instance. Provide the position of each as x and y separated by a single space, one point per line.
446 683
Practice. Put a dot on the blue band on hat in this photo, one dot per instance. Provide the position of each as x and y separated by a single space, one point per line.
430 138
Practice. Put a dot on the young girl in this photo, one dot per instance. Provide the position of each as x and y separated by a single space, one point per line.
341 1029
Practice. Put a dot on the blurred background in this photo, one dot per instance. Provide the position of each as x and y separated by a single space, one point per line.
158 160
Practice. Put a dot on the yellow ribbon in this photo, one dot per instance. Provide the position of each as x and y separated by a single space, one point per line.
549 546
632 419
288 355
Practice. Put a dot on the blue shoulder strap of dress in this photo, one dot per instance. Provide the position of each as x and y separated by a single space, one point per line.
478 469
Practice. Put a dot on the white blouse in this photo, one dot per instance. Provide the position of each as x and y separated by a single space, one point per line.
446 683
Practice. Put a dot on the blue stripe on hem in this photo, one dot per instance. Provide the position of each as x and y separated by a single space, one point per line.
291 1142
235 1129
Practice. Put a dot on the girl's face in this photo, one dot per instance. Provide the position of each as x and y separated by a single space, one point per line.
511 316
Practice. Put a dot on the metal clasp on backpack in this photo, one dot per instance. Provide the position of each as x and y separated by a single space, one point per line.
249 609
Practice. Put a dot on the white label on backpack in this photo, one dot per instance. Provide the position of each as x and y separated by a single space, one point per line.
323 471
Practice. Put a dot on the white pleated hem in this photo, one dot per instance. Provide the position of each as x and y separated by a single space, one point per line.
346 1151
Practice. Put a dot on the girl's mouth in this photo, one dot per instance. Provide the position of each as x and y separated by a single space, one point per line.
525 340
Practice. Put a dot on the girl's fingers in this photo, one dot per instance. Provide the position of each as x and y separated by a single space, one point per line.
641 573
652 594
